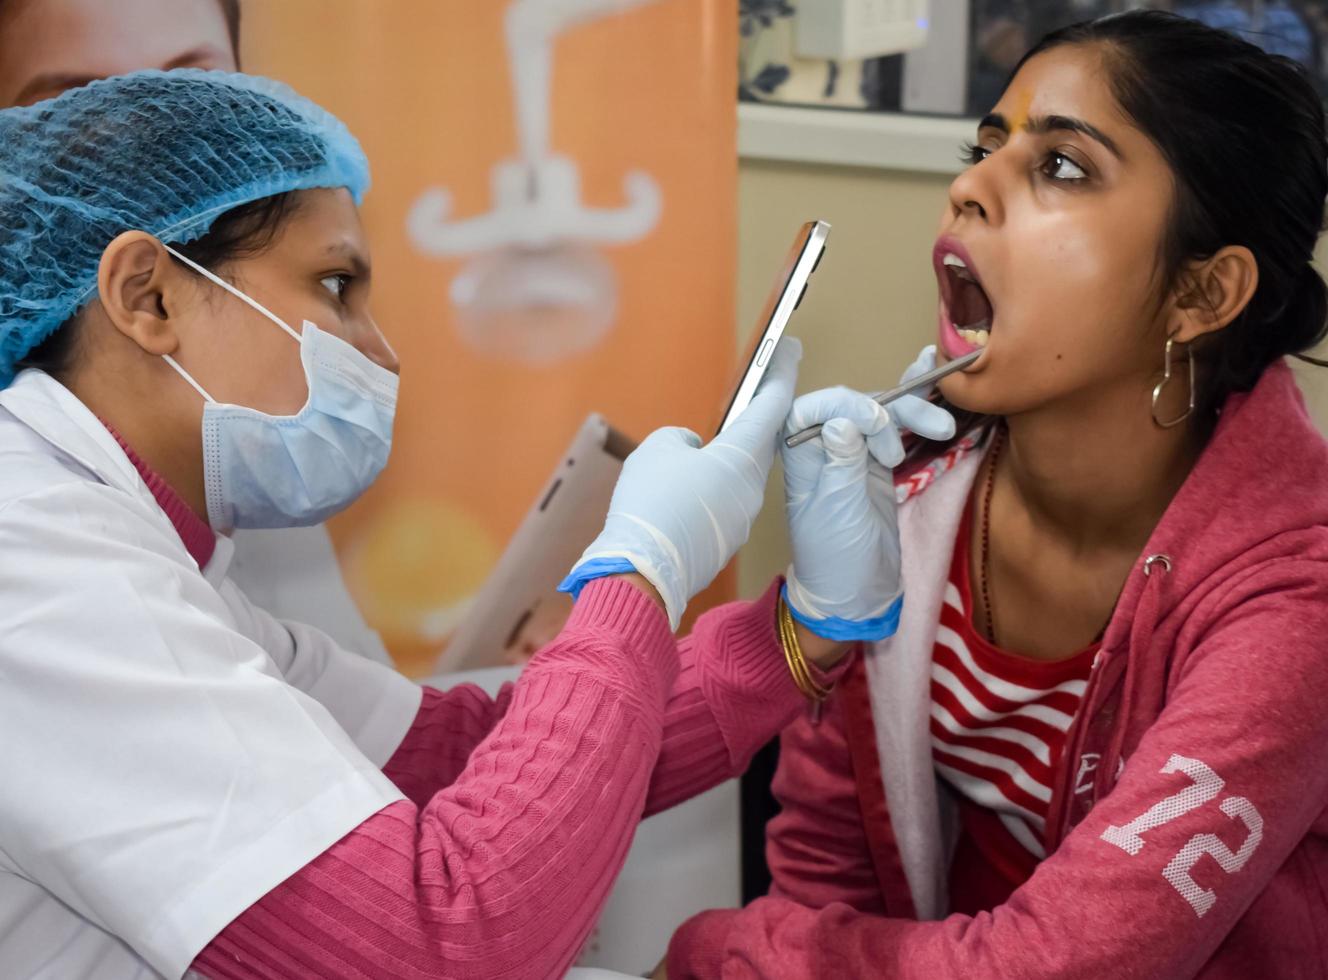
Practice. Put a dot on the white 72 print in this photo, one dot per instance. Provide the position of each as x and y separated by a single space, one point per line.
1204 788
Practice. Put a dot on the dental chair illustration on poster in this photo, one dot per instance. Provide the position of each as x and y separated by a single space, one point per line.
537 289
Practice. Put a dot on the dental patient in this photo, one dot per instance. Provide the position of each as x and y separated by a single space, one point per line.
1096 745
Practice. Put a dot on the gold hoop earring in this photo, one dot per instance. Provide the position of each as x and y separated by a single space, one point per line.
1166 379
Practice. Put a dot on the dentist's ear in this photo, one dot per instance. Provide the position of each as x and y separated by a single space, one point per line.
134 282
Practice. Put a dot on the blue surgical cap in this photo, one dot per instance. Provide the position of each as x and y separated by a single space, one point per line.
166 152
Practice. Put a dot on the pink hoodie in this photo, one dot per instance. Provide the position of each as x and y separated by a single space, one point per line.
1188 832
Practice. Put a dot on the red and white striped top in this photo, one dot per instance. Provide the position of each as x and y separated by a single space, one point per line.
998 724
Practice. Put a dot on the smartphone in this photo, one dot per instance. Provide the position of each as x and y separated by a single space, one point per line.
784 298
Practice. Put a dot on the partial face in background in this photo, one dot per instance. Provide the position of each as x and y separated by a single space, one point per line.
316 269
1061 220
47 46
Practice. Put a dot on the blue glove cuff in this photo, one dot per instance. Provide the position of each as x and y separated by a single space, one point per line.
590 570
848 630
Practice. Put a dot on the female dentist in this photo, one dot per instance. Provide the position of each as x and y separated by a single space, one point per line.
190 784
50 46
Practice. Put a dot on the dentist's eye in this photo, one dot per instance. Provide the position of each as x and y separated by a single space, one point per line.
336 285
1061 167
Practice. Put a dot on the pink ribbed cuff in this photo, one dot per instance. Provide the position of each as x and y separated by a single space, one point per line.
621 637
754 654
615 606
696 951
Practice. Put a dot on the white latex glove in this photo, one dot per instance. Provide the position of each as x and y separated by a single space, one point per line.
680 511
844 581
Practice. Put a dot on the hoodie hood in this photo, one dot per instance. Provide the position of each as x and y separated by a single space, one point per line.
1257 494
1261 481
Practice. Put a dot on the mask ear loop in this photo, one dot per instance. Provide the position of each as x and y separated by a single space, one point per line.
185 374
234 292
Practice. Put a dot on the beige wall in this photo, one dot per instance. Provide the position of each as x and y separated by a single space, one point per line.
871 306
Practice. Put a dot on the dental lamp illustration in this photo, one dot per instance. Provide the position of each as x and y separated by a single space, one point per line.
538 289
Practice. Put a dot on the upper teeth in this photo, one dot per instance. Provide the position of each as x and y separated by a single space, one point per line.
960 267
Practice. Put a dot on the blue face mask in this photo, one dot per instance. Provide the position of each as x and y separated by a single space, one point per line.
267 471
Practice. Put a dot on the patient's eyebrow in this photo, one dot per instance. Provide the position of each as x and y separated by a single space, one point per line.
1054 124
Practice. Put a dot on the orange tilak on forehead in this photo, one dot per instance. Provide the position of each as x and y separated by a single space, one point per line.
1020 118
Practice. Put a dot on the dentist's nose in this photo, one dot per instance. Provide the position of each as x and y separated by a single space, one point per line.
370 342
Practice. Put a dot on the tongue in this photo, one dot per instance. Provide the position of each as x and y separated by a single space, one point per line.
971 310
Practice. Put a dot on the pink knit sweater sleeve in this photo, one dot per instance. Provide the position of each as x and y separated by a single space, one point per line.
448 727
522 809
732 694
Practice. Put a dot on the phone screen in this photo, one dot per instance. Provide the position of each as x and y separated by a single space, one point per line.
784 298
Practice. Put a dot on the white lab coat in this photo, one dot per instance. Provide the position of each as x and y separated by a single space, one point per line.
168 751
293 574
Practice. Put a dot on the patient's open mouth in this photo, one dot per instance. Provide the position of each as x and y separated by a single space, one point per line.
968 307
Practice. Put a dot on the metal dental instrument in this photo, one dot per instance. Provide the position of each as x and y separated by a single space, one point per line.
886 397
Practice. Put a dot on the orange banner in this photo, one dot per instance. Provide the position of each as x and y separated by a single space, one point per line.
530 266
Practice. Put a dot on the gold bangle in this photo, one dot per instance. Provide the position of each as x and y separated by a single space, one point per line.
801 674
797 662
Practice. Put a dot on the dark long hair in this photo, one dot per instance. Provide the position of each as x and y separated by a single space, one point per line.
1243 132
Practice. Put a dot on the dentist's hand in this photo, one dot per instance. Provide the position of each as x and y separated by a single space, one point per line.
681 510
844 581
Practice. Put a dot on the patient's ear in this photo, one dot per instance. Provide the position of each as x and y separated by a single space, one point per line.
1214 292
138 284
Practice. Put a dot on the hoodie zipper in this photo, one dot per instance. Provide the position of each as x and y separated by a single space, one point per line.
1145 620
1145 615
